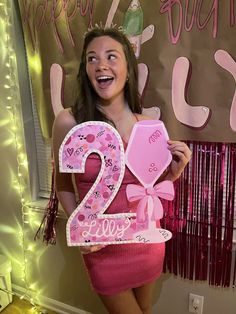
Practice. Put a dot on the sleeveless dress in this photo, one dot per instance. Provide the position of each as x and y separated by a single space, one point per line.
119 267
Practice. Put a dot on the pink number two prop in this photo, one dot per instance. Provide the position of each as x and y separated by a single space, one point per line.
89 224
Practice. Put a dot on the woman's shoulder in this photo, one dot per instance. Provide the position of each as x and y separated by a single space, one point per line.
64 122
65 119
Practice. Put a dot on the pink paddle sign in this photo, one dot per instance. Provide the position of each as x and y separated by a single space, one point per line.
88 224
147 156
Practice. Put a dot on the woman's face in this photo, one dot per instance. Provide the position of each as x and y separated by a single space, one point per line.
106 67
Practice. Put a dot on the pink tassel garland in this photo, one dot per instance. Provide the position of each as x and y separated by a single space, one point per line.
201 217
49 220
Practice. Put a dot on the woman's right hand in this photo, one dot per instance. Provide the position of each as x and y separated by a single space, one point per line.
91 248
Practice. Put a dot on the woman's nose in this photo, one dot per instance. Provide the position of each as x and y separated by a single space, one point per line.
102 65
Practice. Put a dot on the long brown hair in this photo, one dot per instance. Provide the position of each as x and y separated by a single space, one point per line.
85 107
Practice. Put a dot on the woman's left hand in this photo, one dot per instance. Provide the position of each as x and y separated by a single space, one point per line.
181 156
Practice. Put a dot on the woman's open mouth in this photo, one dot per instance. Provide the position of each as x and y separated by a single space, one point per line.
104 81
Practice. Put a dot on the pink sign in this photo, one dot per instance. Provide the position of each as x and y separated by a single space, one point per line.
147 156
84 227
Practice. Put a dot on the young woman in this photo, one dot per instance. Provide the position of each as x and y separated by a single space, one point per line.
122 275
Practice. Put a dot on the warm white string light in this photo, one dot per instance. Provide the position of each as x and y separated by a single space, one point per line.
21 177
12 107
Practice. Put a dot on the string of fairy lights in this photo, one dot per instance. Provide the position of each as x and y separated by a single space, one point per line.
13 112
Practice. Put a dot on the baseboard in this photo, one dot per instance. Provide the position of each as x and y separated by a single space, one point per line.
51 304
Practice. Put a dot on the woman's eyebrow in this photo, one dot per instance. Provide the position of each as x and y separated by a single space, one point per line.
112 50
107 51
89 52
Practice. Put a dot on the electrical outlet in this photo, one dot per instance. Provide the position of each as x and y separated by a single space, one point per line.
196 303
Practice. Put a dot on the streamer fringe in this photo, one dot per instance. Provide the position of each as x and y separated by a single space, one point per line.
201 217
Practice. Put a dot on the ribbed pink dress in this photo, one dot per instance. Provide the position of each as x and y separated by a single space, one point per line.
119 267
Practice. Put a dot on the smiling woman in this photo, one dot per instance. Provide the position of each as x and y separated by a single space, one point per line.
107 68
117 51
122 275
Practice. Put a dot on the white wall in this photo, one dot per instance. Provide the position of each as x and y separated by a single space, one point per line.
171 296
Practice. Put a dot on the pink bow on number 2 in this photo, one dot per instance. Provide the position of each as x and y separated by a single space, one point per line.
149 199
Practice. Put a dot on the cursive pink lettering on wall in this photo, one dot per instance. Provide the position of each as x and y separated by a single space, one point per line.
54 13
232 14
179 11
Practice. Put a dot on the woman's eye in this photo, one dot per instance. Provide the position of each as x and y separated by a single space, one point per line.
91 59
111 57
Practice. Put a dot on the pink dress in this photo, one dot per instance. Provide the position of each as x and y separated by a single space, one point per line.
116 268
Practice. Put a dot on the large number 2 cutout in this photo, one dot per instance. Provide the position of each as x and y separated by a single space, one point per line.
88 224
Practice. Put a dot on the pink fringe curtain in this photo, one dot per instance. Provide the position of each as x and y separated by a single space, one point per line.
202 217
